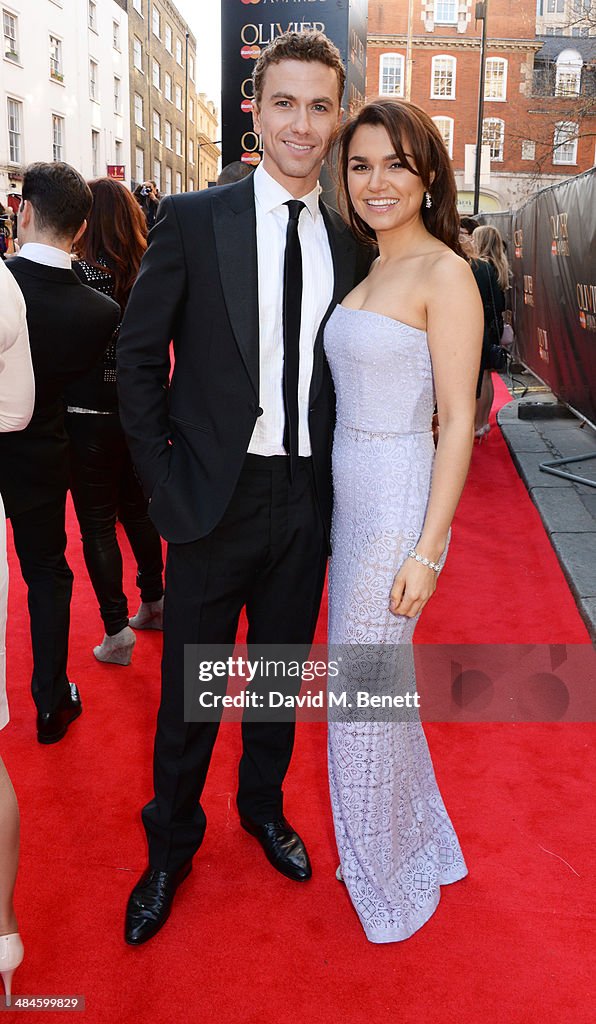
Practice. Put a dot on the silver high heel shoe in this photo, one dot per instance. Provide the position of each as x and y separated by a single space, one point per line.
11 956
149 615
116 650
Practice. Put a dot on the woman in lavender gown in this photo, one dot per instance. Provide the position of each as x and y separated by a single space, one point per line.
408 336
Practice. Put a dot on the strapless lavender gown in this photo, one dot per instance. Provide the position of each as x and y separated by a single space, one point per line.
396 843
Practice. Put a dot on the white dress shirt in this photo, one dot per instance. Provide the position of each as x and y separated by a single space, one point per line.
48 255
317 291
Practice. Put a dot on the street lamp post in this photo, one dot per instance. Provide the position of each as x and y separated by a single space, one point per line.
200 145
408 89
481 15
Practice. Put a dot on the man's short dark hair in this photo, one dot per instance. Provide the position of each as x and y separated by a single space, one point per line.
306 46
59 195
235 171
468 224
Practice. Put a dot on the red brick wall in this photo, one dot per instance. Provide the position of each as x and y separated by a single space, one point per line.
508 20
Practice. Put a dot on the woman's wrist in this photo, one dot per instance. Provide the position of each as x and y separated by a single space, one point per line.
431 549
436 568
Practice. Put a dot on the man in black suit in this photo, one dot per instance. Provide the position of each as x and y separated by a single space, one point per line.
69 328
235 451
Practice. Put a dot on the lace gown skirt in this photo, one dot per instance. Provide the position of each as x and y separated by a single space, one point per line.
396 843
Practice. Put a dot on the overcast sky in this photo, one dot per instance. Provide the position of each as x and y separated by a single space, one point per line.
203 18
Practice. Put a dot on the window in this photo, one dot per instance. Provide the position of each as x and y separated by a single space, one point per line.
15 122
443 78
11 36
137 54
117 96
167 89
191 109
555 7
191 151
391 75
157 174
528 150
93 87
168 180
139 164
95 153
191 184
445 126
116 35
569 73
493 136
156 22
446 12
118 151
56 59
179 52
156 126
178 181
168 38
191 67
495 82
168 135
57 137
179 97
156 73
178 142
565 143
138 6
92 14
139 121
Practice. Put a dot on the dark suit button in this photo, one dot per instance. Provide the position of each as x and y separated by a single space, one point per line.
259 411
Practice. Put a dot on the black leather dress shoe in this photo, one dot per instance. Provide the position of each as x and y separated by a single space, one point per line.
150 903
283 847
53 726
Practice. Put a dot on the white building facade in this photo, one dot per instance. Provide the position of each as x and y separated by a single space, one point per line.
64 87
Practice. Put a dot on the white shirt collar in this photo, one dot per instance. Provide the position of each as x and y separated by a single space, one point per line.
270 195
48 255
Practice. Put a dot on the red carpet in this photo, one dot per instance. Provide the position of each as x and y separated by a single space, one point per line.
510 944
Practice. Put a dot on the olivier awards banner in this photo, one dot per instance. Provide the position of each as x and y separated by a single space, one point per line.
247 26
552 253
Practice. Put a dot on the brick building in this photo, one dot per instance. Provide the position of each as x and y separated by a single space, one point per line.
173 129
533 140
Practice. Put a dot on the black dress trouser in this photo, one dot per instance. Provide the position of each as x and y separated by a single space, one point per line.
268 554
40 543
104 489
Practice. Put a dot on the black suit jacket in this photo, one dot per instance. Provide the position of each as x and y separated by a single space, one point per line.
70 326
198 286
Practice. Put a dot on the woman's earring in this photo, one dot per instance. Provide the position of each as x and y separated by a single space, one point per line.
428 200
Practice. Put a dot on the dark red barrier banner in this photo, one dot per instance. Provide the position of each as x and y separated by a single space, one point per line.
552 252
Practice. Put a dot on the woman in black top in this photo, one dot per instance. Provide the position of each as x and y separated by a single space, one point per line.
104 485
491 271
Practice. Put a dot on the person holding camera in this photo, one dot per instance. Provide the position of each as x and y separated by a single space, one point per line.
147 196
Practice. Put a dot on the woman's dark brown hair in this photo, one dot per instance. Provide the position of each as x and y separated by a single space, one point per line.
406 123
117 232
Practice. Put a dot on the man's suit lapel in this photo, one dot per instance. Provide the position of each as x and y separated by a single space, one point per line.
343 252
235 228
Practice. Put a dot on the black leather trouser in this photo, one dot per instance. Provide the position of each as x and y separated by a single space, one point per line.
105 489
